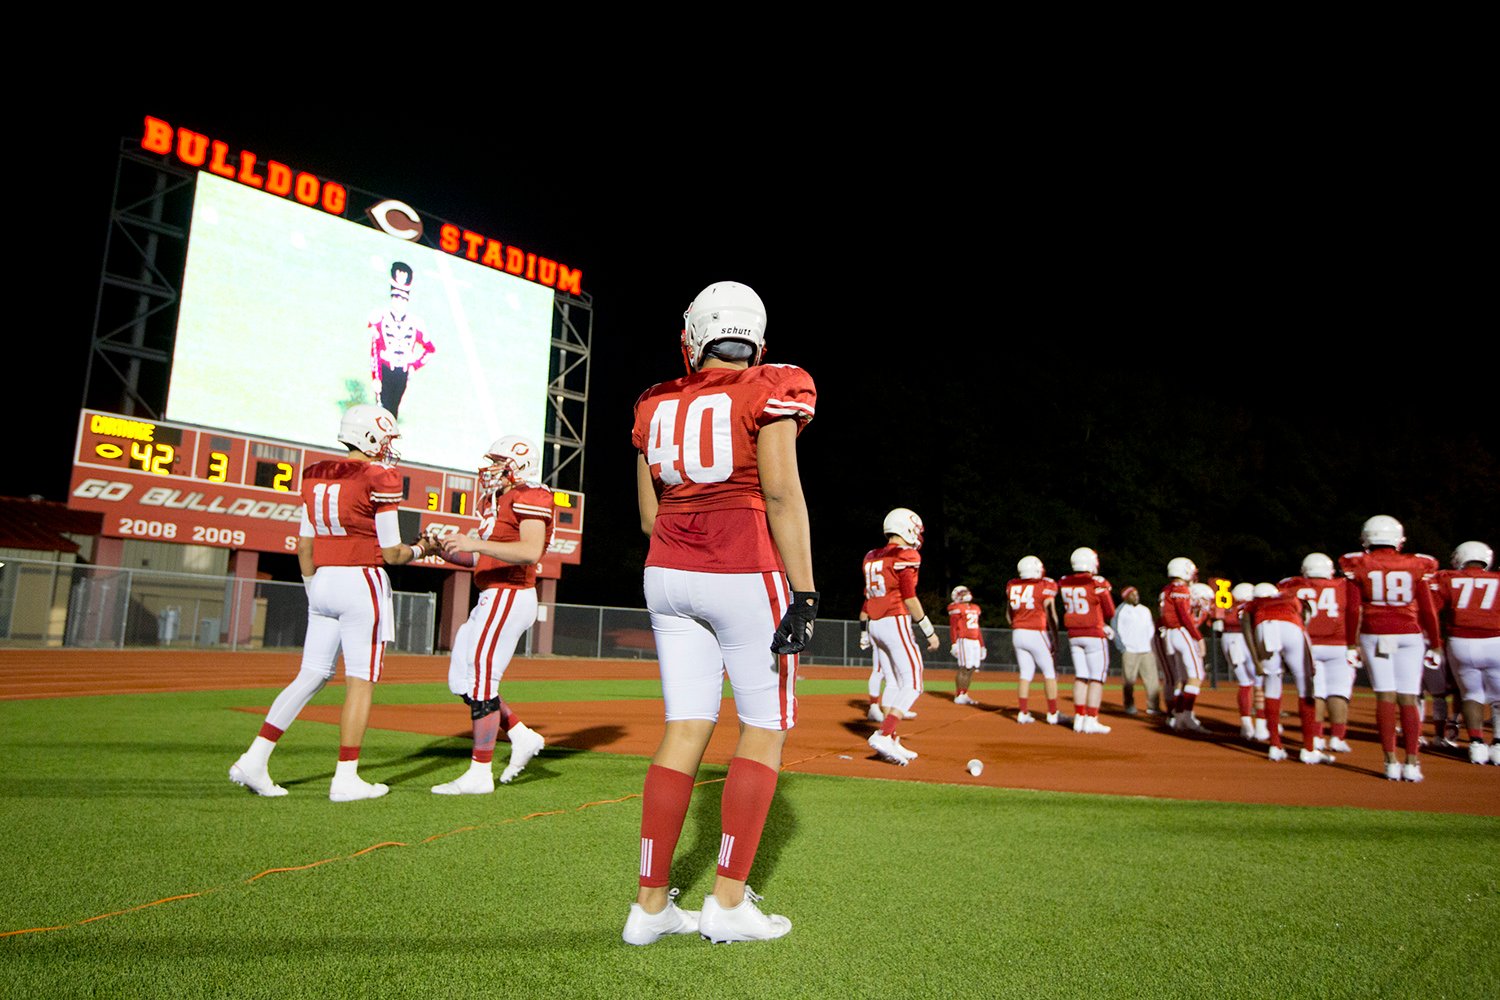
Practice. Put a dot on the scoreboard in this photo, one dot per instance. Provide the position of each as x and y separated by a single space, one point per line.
175 482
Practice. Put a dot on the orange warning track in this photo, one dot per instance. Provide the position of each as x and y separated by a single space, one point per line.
1138 758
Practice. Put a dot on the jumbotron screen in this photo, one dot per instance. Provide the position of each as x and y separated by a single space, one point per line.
288 315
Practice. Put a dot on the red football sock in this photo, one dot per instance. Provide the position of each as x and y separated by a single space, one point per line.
888 727
1273 711
1189 699
1051 706
664 805
747 798
486 732
1246 698
1385 722
348 753
270 732
1338 729
1307 708
1021 704
1411 729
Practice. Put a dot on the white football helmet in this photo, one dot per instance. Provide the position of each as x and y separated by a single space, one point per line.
371 429
1242 592
1201 593
514 460
1182 568
1084 560
1030 568
725 310
1265 590
905 525
1468 552
960 595
1317 566
1382 529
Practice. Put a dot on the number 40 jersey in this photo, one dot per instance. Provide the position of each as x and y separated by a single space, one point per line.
698 435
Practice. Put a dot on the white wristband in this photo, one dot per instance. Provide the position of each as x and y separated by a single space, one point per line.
926 627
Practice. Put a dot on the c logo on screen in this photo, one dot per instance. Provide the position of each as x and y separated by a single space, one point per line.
396 218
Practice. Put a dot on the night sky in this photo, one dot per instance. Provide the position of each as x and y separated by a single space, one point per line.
1149 344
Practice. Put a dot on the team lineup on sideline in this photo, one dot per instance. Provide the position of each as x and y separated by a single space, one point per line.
729 585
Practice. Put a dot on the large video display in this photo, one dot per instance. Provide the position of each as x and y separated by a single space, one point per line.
289 315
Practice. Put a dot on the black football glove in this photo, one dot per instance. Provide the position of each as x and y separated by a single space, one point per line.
796 625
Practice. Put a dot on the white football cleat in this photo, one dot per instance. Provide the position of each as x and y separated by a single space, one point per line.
741 923
1411 772
1188 723
259 781
1054 718
1080 723
1479 754
1276 753
1247 728
1392 771
1338 746
1319 743
352 788
908 714
1093 725
525 743
477 780
644 928
886 748
1315 757
1262 731
875 714
904 750
1024 717
964 699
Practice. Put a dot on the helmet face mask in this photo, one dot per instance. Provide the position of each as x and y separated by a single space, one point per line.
1030 568
1382 529
514 460
1317 566
905 525
370 429
725 310
1182 568
1084 560
1468 552
960 595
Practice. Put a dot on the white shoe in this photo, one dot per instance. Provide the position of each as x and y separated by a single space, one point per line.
1262 731
1054 718
478 780
1315 757
1093 725
644 928
875 714
904 750
525 743
259 781
1338 746
1080 723
1247 728
1392 771
1189 724
1479 754
1276 753
353 788
964 699
741 923
1319 743
1411 772
1172 721
887 749
1024 717
908 715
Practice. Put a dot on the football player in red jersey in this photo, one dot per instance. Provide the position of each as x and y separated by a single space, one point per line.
967 641
1274 626
516 520
1182 644
1031 612
1468 601
1333 632
891 602
729 585
349 532
1396 616
1087 610
1249 680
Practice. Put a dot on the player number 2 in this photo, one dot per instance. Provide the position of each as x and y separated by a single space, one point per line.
684 462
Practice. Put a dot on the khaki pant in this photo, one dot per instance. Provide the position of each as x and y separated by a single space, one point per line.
1141 667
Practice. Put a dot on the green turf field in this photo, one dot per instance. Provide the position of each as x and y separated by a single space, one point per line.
895 889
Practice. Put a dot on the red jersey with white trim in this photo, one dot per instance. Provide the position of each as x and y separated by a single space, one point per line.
1176 603
1334 604
1028 602
1468 602
890 578
699 434
963 621
1232 615
503 524
1394 591
1286 606
1087 605
341 498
